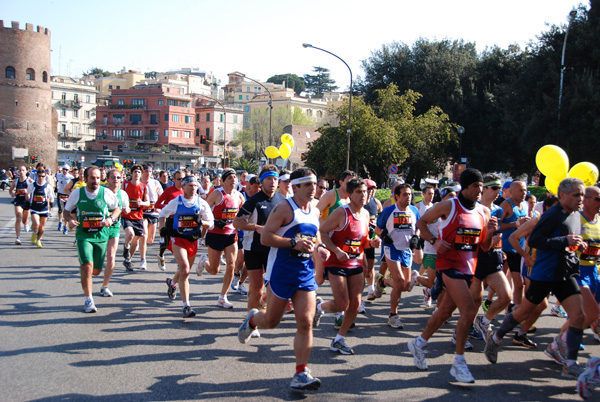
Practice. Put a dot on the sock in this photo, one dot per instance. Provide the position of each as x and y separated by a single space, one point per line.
300 368
338 315
371 288
421 343
338 337
485 321
507 325
569 363
459 358
563 337
186 304
251 323
520 332
574 336
104 284
89 298
393 314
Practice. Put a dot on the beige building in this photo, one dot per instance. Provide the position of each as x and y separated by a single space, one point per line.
75 104
125 79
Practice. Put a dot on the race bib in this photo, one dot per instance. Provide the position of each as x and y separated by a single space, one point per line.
21 191
91 224
302 254
229 214
467 239
352 248
149 209
63 197
133 205
402 221
39 198
187 224
592 252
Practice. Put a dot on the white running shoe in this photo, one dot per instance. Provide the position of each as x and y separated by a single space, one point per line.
200 266
143 265
461 372
161 263
418 354
242 289
105 291
413 279
224 303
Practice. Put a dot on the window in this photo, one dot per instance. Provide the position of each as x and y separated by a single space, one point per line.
187 134
9 72
118 132
76 97
184 104
208 133
87 114
153 119
246 108
320 113
166 132
137 101
63 112
247 89
30 74
308 112
247 97
75 113
221 133
197 132
121 102
160 101
45 76
221 118
88 99
135 118
118 87
135 133
182 91
175 118
63 128
235 118
166 116
118 118
241 97
75 130
197 116
63 96
207 116
172 102
110 87
175 133
188 119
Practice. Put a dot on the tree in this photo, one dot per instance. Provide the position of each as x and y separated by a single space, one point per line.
97 72
319 83
245 164
291 81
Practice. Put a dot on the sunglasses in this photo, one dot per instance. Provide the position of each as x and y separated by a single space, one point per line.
115 177
323 188
181 178
41 175
494 188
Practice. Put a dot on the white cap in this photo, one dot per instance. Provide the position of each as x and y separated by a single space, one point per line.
65 166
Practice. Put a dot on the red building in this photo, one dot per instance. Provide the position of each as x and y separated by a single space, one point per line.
152 118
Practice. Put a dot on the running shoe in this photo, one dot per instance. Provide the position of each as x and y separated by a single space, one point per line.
255 333
65 229
89 306
143 265
33 238
589 379
105 292
361 308
337 323
203 242
38 244
224 303
595 327
242 289
188 312
562 346
27 228
305 382
555 355
126 252
395 322
379 286
289 307
413 279
468 345
523 340
461 372
491 348
418 355
426 297
128 265
318 313
341 346
17 241
200 266
235 282
558 311
222 260
475 334
161 262
245 330
572 371
481 328
371 296
486 305
172 289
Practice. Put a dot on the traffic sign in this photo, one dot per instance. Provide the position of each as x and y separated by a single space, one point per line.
393 169
393 176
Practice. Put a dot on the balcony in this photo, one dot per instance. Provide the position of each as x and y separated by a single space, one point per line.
148 138
73 104
68 135
116 106
110 138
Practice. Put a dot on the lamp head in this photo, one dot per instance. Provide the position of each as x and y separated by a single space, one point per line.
573 14
305 45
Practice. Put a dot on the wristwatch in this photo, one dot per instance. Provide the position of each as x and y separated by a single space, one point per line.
293 242
432 241
322 245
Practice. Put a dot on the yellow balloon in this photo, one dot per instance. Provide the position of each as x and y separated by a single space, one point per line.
586 171
285 150
272 152
552 161
287 139
552 185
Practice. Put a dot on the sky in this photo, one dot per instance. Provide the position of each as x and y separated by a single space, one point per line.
262 38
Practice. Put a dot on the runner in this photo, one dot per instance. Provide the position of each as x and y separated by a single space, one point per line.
373 207
170 193
93 203
18 190
150 214
62 179
292 231
466 226
114 180
190 213
222 238
133 222
346 234
39 195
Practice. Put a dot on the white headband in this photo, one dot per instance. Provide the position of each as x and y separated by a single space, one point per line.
306 179
284 177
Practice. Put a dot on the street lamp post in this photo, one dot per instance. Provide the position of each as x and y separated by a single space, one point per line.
349 130
224 117
460 131
270 107
572 16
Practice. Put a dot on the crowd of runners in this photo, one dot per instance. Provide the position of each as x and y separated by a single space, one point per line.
280 235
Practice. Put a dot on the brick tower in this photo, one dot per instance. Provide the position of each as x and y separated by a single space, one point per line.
26 112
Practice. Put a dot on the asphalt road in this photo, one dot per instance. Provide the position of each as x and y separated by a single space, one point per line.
138 348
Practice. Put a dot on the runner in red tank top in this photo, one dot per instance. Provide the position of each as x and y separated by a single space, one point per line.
133 222
466 226
346 234
222 237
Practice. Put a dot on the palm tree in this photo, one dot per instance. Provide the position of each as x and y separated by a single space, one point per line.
245 164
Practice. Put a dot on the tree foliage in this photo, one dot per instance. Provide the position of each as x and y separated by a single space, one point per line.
291 81
97 72
319 83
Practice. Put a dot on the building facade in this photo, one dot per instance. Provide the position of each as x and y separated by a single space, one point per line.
26 127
